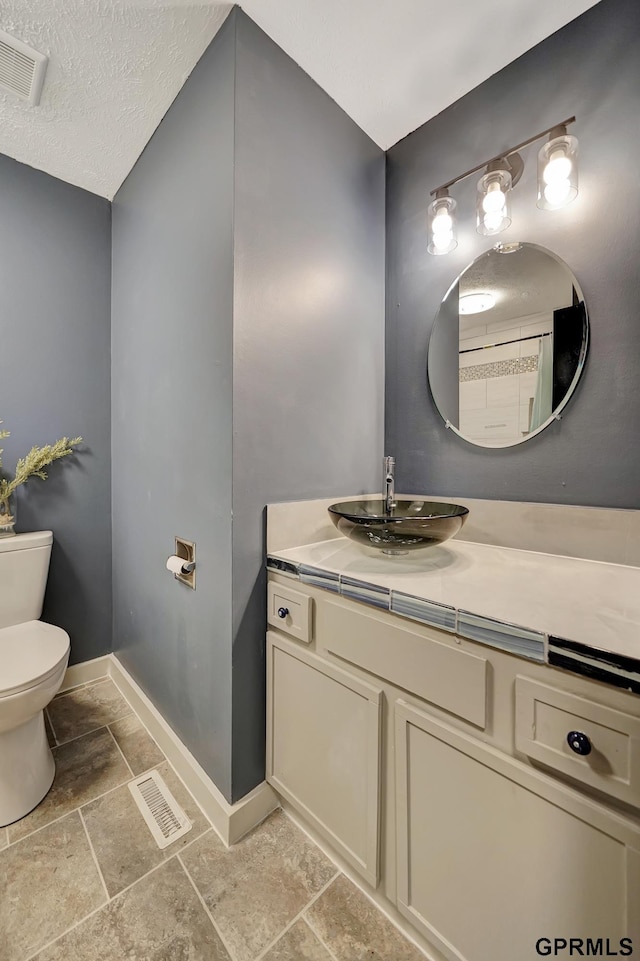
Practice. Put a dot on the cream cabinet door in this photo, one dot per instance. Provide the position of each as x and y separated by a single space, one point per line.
494 856
323 749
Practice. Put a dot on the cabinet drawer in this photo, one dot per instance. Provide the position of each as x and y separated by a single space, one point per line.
546 715
436 671
289 611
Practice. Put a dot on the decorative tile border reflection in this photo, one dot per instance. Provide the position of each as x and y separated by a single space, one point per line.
428 612
604 666
316 577
363 591
499 634
615 669
507 637
282 567
499 368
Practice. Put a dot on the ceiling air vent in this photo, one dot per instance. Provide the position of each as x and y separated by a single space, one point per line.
22 69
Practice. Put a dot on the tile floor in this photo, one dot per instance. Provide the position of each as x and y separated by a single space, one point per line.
81 876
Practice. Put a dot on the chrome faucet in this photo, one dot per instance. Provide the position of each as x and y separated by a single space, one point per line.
389 484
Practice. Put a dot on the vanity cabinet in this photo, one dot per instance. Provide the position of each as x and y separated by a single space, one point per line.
323 749
493 855
438 768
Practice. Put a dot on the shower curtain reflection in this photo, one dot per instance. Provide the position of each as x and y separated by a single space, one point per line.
543 397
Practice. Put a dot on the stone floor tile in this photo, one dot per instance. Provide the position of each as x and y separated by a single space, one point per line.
256 887
159 919
47 726
86 708
354 929
48 882
123 844
139 748
85 768
4 838
298 944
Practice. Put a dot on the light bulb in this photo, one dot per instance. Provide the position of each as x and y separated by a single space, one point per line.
442 222
557 171
494 198
442 239
493 202
556 193
493 219
558 167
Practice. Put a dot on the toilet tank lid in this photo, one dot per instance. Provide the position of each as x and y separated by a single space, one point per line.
22 542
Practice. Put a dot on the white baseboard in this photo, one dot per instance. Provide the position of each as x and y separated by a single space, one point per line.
87 671
231 821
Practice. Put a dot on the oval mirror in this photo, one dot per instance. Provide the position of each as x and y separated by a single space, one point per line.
508 345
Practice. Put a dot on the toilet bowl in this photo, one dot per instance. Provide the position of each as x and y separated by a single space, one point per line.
33 660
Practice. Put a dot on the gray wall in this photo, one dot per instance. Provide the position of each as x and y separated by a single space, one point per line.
55 380
172 293
308 331
590 68
299 208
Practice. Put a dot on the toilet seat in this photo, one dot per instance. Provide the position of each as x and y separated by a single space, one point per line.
30 653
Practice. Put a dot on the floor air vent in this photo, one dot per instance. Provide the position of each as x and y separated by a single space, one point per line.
22 69
165 818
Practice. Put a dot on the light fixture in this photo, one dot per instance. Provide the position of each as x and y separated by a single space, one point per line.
557 186
507 248
476 303
558 170
493 201
442 224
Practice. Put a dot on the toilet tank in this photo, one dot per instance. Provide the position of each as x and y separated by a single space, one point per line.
24 566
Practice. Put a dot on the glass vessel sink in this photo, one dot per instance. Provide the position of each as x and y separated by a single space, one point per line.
409 526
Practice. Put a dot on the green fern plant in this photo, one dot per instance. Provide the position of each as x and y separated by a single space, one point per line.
33 465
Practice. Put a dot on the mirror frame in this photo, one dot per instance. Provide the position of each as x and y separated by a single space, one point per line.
556 413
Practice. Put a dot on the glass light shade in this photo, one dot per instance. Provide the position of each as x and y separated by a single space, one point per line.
493 202
557 173
442 226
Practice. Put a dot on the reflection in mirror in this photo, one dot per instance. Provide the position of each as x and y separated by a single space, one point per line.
508 345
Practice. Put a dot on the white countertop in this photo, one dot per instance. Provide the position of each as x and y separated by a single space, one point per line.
592 602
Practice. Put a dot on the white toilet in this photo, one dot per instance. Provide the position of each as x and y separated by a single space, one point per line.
33 659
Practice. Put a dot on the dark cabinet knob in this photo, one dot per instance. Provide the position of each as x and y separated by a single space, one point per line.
579 742
282 612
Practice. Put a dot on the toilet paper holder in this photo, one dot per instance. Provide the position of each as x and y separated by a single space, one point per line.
183 562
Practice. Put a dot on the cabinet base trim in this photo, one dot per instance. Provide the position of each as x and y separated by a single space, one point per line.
350 856
376 896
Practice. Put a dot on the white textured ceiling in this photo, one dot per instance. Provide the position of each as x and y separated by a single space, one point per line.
116 66
524 283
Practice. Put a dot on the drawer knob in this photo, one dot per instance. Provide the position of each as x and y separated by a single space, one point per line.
283 611
579 742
